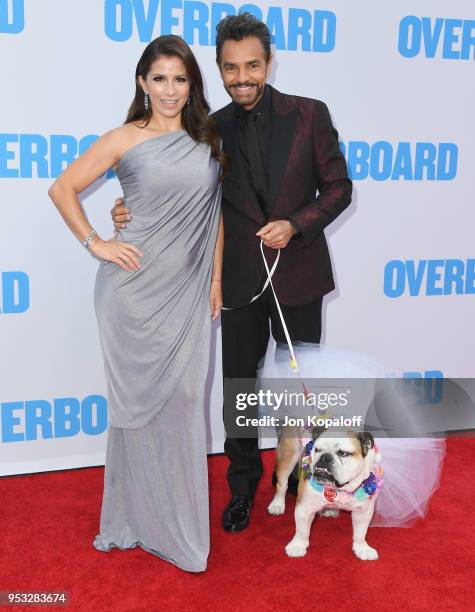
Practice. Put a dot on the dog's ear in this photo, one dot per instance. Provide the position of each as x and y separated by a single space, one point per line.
317 431
366 440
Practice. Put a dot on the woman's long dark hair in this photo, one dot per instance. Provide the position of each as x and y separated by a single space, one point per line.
195 115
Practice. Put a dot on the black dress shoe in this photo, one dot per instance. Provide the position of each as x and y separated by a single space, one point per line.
293 484
237 514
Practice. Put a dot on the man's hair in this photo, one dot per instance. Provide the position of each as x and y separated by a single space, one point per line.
238 27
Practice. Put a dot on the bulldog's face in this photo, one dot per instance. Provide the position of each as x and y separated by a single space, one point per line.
344 460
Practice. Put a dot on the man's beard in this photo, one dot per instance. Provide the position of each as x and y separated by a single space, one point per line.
247 98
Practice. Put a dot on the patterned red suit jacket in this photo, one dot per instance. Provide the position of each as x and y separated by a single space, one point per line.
308 183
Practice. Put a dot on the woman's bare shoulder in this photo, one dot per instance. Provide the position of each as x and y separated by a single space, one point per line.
121 135
127 135
118 140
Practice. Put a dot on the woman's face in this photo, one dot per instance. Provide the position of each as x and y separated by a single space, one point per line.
168 86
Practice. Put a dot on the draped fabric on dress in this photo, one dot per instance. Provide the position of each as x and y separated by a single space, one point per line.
150 320
154 327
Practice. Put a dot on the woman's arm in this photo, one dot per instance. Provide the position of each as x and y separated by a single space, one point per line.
101 156
216 298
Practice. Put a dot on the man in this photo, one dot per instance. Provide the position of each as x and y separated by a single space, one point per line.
282 150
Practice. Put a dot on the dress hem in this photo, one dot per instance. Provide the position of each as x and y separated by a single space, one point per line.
154 552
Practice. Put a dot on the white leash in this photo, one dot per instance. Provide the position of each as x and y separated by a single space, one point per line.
268 280
293 360
270 274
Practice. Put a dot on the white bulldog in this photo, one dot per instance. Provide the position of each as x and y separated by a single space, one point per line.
337 473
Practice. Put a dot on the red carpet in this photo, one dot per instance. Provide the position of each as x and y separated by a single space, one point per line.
49 521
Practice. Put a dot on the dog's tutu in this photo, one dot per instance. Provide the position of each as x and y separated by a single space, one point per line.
318 361
318 366
411 461
412 469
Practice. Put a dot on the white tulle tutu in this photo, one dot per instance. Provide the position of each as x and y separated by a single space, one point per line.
412 465
412 468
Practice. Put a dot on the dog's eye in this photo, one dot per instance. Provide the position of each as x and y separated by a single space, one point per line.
342 453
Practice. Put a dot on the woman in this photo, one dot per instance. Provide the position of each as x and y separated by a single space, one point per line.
153 291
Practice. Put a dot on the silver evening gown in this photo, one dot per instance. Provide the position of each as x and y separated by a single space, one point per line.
154 327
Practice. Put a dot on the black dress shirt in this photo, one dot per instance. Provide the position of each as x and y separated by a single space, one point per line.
255 160
256 164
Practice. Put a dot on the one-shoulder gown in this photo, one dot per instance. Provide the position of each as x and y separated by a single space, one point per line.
154 328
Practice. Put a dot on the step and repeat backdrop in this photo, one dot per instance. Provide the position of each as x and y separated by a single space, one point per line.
399 80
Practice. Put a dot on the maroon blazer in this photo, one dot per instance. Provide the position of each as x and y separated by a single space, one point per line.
305 158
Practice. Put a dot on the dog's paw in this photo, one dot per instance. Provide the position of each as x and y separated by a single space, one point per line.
365 552
276 507
295 550
330 513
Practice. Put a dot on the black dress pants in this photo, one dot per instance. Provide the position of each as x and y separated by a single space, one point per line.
245 336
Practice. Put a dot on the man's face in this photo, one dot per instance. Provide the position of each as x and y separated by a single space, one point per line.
244 70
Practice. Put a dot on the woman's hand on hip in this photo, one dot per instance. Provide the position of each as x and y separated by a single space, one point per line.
123 254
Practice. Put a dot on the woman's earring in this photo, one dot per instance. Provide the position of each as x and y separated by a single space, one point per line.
188 101
146 101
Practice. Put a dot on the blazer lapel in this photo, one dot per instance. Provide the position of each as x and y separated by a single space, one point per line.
235 188
284 119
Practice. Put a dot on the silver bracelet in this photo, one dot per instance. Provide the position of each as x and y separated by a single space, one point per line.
87 241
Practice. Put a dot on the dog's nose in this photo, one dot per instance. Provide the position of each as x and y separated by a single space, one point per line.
325 459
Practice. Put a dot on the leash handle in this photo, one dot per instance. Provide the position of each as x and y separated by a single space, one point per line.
270 274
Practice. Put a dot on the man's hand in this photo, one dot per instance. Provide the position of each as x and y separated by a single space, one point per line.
120 214
215 299
277 234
